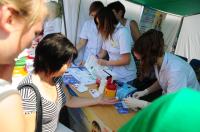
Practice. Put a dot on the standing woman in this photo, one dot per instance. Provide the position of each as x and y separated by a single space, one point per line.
89 36
172 72
117 43
119 11
20 20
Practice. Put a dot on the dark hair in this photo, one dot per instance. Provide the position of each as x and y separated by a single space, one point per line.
117 6
52 52
106 22
150 46
96 6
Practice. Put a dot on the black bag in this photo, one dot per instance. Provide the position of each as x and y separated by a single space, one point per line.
38 127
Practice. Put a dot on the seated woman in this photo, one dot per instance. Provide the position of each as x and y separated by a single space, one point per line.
53 56
172 72
117 43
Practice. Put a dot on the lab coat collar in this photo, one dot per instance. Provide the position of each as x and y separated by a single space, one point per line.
165 62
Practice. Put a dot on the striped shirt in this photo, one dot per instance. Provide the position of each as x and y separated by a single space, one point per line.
51 109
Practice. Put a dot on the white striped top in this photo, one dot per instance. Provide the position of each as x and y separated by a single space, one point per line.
51 109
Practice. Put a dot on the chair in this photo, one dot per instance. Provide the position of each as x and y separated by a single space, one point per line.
196 66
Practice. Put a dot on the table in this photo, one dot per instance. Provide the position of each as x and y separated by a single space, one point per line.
105 118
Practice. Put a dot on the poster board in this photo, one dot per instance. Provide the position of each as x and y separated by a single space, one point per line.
151 19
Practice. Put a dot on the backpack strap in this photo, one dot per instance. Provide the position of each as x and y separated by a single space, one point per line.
38 127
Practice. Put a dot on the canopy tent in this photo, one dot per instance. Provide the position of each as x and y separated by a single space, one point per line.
179 7
188 44
76 12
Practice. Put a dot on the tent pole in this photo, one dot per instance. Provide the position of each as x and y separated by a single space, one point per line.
177 36
77 21
62 4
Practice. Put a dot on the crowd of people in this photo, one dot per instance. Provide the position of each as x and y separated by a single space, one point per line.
116 42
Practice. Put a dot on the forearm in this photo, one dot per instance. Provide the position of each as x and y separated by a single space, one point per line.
76 102
119 62
79 46
154 87
135 32
81 43
125 59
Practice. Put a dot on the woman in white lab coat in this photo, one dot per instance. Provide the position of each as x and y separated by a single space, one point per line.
119 12
117 43
89 36
172 72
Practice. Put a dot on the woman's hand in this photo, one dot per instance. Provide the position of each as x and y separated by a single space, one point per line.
135 104
102 62
139 94
106 101
82 63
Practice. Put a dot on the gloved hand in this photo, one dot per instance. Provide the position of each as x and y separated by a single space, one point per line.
139 94
135 104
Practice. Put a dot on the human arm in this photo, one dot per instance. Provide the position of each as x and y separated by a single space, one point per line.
75 102
11 113
83 36
30 122
123 45
134 30
81 44
123 60
29 106
154 87
135 103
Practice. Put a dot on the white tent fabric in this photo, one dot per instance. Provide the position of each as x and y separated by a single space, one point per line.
133 11
71 12
170 27
189 39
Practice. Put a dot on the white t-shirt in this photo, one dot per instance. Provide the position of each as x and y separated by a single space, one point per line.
118 45
52 26
175 74
94 40
6 89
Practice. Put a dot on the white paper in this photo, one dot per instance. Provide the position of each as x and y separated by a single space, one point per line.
97 70
82 88
94 93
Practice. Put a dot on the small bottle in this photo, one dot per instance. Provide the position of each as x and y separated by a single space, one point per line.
102 85
111 88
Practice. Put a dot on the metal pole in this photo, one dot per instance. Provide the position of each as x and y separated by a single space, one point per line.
63 10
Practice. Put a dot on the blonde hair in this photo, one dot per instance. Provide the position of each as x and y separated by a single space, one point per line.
30 10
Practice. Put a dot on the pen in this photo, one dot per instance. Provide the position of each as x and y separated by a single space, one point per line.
97 56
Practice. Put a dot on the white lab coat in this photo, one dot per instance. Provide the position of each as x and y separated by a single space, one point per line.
94 41
175 74
119 44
